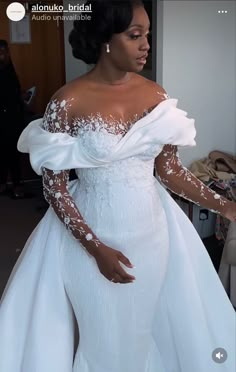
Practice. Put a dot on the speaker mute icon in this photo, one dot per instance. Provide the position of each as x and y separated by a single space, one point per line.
219 355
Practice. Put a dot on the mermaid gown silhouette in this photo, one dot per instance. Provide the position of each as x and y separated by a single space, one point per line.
176 312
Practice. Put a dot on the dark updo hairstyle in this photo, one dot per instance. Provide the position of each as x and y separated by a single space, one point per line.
108 17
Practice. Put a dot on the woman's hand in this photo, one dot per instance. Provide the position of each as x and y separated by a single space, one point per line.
230 211
108 263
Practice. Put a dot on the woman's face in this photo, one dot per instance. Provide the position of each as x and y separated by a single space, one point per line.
127 47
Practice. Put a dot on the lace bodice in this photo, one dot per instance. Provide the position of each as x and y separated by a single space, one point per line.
100 138
57 119
99 135
112 152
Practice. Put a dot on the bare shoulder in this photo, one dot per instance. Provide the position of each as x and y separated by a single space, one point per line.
69 90
152 92
150 85
80 98
67 97
156 88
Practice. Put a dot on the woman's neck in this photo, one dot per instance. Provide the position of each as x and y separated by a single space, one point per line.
109 76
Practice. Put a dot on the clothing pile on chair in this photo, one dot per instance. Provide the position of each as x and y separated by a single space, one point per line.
218 171
218 165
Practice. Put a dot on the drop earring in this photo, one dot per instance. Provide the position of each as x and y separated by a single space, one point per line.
108 48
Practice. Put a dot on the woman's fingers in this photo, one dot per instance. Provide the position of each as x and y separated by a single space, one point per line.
117 278
124 259
124 275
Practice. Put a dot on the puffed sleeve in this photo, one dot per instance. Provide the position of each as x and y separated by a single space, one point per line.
50 144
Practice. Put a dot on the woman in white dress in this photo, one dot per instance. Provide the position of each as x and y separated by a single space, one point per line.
116 224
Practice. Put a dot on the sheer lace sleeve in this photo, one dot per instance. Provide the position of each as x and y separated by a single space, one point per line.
58 118
181 181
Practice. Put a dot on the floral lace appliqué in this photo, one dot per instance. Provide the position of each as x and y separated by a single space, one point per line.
98 123
99 134
182 182
56 119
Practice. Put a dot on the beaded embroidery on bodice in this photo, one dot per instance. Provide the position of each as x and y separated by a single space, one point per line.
99 138
98 135
56 119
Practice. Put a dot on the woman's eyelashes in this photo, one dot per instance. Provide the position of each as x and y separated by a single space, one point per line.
136 36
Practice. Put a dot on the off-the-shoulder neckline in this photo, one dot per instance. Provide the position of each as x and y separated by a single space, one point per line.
162 103
140 121
152 113
148 113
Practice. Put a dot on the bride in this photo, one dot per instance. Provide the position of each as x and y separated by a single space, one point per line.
115 259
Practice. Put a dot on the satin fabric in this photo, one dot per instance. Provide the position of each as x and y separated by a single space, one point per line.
37 323
164 124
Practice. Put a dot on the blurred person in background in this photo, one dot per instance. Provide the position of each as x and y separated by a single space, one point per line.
11 124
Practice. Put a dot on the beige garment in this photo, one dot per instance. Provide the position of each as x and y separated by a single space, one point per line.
217 165
223 162
204 170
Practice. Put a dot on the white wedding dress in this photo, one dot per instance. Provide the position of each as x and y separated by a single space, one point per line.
176 312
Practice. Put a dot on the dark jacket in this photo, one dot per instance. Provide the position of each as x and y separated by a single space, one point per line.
11 102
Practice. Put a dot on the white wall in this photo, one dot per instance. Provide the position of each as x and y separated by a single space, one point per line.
199 68
73 66
197 58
